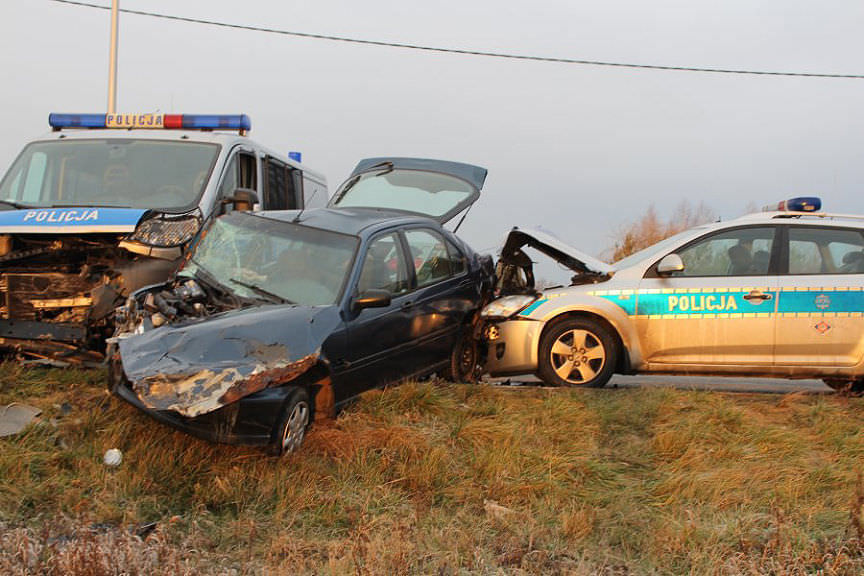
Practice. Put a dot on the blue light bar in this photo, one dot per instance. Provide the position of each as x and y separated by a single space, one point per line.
296 156
239 122
800 204
58 121
216 122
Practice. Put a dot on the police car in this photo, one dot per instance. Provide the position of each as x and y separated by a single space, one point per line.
778 293
107 203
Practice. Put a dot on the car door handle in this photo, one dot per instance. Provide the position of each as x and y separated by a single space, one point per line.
757 295
407 305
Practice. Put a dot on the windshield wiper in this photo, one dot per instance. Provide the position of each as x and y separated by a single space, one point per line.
262 292
87 206
208 278
14 204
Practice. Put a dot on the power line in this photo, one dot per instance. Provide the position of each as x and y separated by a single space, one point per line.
460 51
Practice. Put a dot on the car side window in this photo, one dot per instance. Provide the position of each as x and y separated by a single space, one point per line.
825 251
384 267
739 252
458 262
429 255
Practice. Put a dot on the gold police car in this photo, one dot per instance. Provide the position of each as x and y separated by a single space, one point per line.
778 293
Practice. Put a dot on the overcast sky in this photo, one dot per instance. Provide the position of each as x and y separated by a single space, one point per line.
577 149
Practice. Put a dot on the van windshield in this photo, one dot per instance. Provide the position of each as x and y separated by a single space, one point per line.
110 172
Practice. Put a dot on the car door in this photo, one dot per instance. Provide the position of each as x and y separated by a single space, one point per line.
718 311
820 301
379 339
443 297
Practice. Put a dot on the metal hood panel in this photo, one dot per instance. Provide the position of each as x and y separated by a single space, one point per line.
200 366
559 251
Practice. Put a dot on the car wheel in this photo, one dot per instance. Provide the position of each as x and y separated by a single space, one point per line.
294 422
463 359
853 386
577 352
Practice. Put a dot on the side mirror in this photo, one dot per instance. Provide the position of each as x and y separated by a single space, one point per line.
670 264
242 199
371 299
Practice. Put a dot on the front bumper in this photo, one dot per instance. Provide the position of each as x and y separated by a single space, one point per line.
249 421
514 350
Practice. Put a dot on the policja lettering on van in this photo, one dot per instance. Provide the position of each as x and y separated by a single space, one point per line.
61 215
702 302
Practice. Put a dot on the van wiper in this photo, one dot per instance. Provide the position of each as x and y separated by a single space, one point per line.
14 204
262 292
87 206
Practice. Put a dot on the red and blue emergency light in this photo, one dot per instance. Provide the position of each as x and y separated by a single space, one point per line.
802 204
239 122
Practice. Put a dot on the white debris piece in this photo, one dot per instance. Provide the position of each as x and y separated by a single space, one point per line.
14 418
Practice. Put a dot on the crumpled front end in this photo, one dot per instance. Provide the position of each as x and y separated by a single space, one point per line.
196 366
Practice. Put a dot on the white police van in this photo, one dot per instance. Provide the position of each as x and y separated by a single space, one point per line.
107 203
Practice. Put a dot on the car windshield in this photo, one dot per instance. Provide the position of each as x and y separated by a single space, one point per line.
273 260
430 193
652 250
110 172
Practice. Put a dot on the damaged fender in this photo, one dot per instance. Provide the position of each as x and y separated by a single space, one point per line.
199 367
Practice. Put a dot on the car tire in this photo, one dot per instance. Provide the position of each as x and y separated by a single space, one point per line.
847 386
463 359
577 351
292 426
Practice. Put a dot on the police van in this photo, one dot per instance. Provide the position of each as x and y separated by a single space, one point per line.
777 293
107 203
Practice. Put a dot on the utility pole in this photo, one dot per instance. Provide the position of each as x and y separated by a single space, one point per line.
112 59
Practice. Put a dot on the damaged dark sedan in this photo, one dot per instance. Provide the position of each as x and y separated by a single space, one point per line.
279 318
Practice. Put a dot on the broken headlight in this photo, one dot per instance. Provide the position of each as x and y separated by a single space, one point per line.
506 306
166 231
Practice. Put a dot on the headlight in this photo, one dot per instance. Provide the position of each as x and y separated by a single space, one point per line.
166 232
507 306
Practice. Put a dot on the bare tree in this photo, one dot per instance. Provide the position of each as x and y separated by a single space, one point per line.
649 229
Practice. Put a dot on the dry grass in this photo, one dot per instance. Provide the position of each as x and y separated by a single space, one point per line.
445 479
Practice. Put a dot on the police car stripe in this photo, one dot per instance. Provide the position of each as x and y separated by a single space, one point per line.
723 303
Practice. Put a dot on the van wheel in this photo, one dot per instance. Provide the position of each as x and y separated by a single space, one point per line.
577 352
292 427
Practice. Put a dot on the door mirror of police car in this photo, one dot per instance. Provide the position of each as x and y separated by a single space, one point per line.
242 199
670 264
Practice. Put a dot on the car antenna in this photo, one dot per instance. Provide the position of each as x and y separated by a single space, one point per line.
462 219
299 214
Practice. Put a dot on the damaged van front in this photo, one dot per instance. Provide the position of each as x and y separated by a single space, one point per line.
88 216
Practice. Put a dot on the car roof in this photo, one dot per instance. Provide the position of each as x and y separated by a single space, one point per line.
354 221
813 218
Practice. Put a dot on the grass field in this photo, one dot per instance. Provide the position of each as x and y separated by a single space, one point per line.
442 479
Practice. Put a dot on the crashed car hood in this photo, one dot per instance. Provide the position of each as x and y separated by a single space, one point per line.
200 366
559 251
84 219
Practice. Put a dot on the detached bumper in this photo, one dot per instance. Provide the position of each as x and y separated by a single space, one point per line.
249 421
514 349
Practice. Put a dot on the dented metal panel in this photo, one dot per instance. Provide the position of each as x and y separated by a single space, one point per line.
199 366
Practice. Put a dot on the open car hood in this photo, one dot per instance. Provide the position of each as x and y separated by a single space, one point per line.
438 189
559 251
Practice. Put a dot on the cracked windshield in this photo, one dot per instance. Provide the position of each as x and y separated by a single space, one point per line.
122 173
271 260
